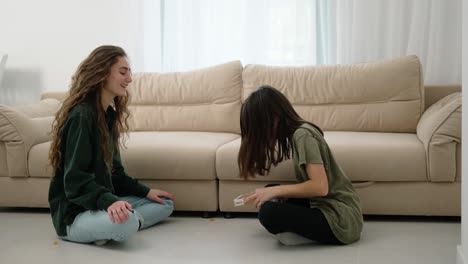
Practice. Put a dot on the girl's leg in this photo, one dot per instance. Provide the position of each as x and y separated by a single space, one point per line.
290 217
149 212
91 226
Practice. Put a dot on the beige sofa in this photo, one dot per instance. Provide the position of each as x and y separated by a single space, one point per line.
398 141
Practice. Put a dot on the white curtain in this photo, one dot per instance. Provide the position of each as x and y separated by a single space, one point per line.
198 33
188 34
365 30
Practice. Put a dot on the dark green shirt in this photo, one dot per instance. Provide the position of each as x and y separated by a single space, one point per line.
341 207
83 181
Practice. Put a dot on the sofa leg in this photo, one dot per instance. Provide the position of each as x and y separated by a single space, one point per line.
207 214
229 215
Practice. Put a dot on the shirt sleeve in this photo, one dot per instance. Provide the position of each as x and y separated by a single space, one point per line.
308 150
79 177
125 185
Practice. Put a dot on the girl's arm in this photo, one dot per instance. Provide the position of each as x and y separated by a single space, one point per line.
315 187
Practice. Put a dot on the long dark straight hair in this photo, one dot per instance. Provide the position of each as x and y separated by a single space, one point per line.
267 121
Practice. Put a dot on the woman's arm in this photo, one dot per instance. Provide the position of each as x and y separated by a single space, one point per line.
79 182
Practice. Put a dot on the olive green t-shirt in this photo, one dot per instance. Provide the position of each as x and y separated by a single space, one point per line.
341 207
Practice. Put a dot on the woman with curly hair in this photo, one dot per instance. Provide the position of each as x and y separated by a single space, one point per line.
91 197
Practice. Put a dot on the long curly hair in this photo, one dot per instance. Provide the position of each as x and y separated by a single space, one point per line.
86 85
267 121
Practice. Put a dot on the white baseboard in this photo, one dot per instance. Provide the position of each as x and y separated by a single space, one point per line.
460 255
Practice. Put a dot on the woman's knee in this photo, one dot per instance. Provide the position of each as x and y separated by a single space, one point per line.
168 208
121 231
161 211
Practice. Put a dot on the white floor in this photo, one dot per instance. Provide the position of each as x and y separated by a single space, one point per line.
27 236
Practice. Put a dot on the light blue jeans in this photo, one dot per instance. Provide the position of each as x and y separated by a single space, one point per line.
90 226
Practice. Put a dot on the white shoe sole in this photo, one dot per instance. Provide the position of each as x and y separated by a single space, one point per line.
292 239
101 242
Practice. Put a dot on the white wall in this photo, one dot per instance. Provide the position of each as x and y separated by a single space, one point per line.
46 40
463 249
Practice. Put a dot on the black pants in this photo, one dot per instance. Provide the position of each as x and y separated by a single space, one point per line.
295 215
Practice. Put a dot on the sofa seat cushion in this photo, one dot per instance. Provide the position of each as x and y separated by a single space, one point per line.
156 155
364 156
173 155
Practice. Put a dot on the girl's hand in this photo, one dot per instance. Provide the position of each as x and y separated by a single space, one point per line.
154 195
118 211
261 195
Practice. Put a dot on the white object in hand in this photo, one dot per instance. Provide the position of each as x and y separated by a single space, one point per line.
239 200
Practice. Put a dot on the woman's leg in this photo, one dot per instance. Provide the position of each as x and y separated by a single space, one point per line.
293 216
149 212
91 226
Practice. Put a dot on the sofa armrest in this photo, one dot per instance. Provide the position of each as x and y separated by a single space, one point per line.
440 131
19 133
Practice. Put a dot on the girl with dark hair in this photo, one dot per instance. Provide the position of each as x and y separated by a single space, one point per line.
323 206
91 197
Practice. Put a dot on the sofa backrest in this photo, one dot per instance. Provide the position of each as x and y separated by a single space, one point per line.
381 96
208 99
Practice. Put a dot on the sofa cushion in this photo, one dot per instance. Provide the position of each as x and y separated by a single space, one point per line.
156 155
364 156
201 100
173 155
382 96
379 156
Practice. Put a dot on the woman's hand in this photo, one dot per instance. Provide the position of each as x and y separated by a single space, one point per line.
118 211
154 195
261 195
